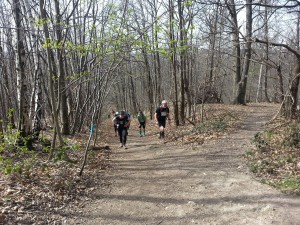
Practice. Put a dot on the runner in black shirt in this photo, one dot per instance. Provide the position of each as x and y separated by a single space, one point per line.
162 114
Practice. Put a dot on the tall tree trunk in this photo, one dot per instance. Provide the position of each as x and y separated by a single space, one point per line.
62 96
267 52
182 36
157 60
259 83
2 93
188 62
24 120
149 83
295 87
173 60
5 97
79 67
247 58
52 76
36 97
236 52
133 93
280 77
212 45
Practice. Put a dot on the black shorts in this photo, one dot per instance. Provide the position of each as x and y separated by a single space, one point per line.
162 123
142 125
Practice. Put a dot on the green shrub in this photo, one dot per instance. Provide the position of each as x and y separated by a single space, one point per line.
261 140
219 125
293 137
215 125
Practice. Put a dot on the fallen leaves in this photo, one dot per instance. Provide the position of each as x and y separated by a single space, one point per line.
276 157
50 186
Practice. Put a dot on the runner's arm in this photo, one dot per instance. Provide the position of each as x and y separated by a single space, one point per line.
114 120
168 114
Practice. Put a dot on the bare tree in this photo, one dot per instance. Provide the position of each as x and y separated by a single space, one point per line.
173 61
291 99
52 76
238 82
247 57
36 96
24 122
266 30
61 92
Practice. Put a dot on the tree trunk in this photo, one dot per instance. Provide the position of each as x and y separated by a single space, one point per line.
182 36
295 87
248 50
62 96
52 75
36 97
279 74
149 83
24 120
259 83
156 55
173 60
237 54
133 96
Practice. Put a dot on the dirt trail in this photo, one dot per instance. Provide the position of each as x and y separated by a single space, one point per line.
154 183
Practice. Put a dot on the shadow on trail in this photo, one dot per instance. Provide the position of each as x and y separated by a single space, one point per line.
185 162
243 199
247 200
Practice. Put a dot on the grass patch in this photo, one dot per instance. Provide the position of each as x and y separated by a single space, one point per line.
220 123
285 185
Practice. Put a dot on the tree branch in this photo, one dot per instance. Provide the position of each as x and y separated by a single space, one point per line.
279 45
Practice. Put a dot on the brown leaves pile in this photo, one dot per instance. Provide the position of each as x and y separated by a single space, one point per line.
38 196
218 120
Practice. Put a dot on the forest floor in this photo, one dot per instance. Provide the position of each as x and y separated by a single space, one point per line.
188 180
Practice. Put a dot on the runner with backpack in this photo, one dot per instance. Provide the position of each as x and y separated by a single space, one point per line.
122 122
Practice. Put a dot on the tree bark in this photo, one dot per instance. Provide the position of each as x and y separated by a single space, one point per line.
36 96
173 60
62 96
182 53
267 52
52 75
238 85
248 50
24 121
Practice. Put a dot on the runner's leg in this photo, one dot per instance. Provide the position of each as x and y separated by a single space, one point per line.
140 126
124 136
120 136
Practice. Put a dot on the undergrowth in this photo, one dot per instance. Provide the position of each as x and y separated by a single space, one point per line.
276 157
